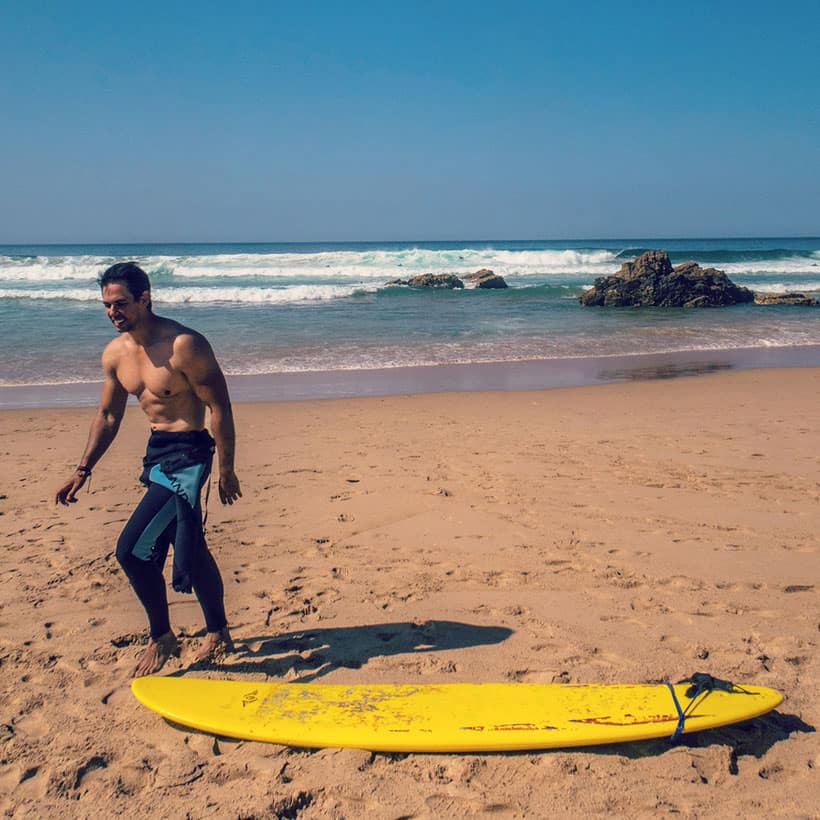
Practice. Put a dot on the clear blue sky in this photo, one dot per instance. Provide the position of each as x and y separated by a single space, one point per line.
353 120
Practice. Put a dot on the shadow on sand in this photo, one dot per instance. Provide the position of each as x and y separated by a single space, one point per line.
312 653
752 738
664 371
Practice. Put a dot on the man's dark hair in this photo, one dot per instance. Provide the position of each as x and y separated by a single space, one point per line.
129 274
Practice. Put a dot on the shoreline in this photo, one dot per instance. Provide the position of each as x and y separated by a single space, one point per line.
537 374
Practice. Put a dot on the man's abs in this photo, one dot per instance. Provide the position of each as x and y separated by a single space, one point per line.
176 413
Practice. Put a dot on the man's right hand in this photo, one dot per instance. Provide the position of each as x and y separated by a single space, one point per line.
66 494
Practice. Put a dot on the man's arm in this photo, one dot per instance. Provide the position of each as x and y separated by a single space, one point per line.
103 430
197 361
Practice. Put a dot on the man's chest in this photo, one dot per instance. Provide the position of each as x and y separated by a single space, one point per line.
151 371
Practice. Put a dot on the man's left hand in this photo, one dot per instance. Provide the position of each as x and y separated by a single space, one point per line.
229 488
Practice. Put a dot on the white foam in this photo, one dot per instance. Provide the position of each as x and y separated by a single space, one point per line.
389 264
359 265
52 268
364 265
202 295
752 267
73 294
783 287
288 295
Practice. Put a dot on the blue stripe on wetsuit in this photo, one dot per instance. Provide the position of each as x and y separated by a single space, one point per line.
144 548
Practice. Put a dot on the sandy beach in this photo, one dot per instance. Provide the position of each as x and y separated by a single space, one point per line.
630 532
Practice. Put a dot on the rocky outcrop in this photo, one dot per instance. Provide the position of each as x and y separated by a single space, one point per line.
649 263
435 280
486 278
785 299
430 280
483 278
651 281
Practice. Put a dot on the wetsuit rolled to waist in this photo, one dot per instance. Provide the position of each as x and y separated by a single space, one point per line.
181 462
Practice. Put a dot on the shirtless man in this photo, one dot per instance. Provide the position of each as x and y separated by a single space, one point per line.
172 370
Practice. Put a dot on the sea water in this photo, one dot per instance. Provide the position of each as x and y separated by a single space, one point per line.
302 308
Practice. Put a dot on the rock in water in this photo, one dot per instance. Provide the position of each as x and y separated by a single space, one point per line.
785 299
485 278
435 280
651 263
651 281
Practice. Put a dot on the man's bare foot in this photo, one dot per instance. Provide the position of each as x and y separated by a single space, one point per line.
156 653
215 645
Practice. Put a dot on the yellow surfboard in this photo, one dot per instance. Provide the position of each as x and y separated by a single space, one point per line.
456 717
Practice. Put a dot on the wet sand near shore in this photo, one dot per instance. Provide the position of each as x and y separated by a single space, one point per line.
524 375
623 532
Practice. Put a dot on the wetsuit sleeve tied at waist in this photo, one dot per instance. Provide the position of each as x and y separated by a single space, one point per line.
181 462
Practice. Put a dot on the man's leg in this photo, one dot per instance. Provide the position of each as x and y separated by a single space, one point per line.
210 592
141 551
207 584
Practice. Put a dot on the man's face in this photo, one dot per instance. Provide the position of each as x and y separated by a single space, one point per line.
122 309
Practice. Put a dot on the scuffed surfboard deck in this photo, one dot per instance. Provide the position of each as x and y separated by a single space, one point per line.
456 717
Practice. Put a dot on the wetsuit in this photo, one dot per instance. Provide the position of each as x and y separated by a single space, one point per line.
175 468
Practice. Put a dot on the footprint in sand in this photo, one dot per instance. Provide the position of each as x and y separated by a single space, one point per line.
31 724
129 639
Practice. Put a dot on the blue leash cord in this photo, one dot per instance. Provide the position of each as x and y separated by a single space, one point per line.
701 684
679 728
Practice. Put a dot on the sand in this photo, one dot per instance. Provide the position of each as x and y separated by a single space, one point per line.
614 533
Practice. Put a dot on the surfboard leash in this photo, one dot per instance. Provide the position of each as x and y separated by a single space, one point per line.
701 684
681 717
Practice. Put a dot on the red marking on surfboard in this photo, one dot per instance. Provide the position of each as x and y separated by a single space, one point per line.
509 727
606 720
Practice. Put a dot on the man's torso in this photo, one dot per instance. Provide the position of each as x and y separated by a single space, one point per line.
152 374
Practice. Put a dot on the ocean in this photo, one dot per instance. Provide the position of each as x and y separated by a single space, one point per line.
305 308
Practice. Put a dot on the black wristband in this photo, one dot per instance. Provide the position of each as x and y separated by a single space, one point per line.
83 470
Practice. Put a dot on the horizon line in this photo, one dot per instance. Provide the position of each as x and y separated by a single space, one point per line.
123 243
